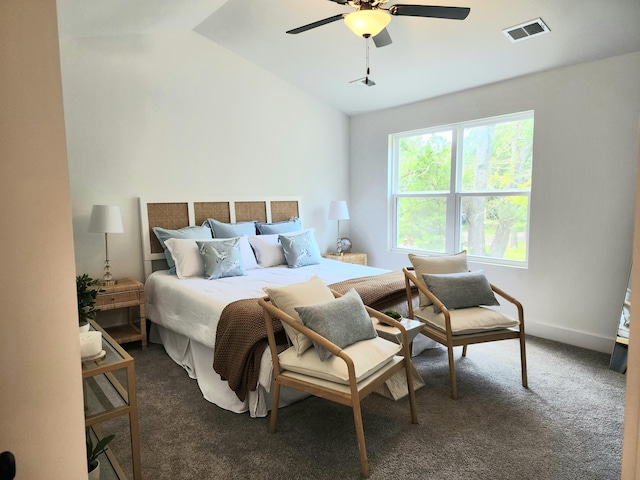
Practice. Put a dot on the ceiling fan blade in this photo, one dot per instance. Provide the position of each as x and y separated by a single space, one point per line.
341 2
319 23
382 39
452 13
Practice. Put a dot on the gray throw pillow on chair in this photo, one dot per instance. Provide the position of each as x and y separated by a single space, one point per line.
460 290
343 321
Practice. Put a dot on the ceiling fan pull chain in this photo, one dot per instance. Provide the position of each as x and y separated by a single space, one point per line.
366 43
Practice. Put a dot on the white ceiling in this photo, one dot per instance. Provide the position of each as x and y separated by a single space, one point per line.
428 57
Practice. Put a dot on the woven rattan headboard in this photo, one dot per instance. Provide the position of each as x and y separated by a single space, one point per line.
178 214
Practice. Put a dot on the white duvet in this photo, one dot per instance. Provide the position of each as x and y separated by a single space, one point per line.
192 306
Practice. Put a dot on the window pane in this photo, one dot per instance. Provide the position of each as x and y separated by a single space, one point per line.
498 156
422 223
495 227
425 162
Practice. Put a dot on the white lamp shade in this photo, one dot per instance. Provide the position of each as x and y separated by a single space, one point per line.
338 210
367 22
105 219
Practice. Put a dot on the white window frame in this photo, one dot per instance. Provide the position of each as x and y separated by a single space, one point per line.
454 196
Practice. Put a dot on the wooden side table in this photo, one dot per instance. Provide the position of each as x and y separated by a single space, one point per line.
349 257
396 387
126 293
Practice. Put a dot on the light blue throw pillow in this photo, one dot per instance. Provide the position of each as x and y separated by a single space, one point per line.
300 249
460 290
292 225
229 230
221 258
343 321
164 234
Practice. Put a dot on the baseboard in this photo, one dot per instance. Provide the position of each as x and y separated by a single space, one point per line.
571 337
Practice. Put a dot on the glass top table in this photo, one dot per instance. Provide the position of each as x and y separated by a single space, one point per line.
109 387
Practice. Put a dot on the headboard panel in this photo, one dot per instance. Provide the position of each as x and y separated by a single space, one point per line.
177 214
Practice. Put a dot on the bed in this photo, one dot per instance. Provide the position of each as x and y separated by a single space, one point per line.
188 313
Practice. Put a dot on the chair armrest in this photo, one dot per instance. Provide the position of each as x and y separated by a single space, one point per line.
512 300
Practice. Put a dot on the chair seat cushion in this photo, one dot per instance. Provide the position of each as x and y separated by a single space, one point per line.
368 357
468 320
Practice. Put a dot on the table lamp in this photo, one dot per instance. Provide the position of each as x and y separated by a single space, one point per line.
338 210
106 219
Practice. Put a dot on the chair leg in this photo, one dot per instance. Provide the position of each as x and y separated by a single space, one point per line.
275 400
452 373
357 417
523 362
464 350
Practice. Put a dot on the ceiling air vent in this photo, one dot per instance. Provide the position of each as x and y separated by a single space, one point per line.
529 29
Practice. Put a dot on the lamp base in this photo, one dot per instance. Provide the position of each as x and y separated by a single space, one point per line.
107 283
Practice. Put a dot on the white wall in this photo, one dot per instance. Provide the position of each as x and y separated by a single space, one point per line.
41 403
582 206
179 116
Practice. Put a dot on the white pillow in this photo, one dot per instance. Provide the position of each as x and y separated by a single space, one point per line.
187 257
268 249
189 261
246 252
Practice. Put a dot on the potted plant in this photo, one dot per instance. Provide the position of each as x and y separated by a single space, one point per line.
392 313
93 451
87 293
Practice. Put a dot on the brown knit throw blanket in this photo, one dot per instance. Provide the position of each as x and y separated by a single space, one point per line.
241 336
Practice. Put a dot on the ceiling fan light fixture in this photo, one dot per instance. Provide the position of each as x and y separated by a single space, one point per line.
366 23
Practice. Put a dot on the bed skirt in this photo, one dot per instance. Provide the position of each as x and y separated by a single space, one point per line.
197 360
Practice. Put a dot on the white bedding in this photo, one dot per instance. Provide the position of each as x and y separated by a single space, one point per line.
188 310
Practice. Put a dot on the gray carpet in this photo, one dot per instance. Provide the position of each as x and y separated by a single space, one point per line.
567 425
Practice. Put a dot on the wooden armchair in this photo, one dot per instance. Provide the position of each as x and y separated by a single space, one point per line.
463 326
347 377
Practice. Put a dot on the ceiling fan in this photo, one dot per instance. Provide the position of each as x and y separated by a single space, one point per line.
371 20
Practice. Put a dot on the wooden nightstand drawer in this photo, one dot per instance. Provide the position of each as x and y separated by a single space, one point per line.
107 301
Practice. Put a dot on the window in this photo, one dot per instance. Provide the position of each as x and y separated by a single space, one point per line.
465 186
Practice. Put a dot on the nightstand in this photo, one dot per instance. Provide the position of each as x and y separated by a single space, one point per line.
349 257
126 293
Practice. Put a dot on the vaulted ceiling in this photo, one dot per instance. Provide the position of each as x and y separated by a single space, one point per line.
429 57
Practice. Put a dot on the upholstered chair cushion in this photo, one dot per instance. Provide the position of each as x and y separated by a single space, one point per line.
467 320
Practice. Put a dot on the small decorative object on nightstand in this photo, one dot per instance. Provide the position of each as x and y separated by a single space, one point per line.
349 257
125 293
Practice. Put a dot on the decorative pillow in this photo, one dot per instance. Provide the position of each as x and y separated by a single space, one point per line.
300 250
291 225
248 257
299 294
229 230
437 264
461 290
163 234
343 321
267 250
186 255
221 258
